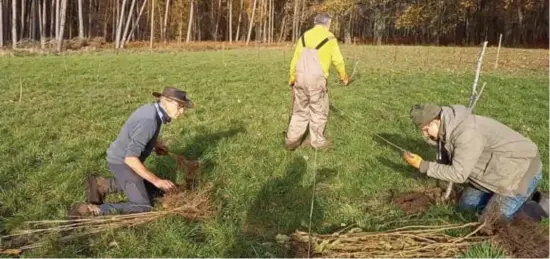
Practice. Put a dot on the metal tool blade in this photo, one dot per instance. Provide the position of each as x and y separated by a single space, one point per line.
392 144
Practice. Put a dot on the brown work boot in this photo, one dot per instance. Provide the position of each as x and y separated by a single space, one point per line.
326 146
292 145
83 210
96 189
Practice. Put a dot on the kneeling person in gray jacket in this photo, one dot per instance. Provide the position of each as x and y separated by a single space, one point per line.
502 167
126 157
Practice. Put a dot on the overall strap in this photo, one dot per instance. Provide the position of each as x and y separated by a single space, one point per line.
323 42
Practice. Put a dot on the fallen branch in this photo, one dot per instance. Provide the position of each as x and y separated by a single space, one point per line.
411 241
192 205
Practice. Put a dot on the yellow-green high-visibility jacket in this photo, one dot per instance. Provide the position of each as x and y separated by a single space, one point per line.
328 53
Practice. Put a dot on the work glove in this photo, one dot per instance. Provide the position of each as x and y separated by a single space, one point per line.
161 149
412 159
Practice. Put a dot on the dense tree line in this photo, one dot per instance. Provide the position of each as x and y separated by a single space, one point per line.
439 22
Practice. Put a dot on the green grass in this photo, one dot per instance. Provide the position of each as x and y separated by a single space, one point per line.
72 106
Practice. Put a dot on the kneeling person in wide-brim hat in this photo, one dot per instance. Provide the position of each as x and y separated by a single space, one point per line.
500 166
127 154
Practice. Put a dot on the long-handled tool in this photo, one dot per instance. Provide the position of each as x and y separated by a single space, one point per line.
391 144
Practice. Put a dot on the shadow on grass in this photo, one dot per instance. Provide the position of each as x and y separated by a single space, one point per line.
415 145
401 168
281 206
198 149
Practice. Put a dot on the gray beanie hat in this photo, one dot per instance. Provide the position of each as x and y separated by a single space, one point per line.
421 114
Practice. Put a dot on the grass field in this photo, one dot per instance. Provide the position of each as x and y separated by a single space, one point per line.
72 106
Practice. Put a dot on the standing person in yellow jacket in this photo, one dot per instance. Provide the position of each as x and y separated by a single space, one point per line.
309 70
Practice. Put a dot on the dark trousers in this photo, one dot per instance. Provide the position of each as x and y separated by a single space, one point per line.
140 192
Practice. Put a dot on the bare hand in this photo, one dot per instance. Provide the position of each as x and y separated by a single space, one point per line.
165 185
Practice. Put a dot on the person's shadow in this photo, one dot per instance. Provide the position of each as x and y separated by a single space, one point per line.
198 149
282 206
416 146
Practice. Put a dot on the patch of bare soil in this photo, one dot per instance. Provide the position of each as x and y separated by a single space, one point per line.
418 201
520 238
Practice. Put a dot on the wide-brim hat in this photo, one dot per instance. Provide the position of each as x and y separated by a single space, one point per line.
176 95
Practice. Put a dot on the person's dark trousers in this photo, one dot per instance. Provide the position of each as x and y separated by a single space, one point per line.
140 192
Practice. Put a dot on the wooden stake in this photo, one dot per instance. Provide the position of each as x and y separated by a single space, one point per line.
20 89
479 95
498 51
473 99
474 87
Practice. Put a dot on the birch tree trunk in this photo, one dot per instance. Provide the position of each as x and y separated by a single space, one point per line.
32 32
1 23
80 20
57 19
119 25
152 35
90 15
22 27
295 21
52 20
251 23
136 23
14 24
230 7
237 36
180 28
127 26
166 20
42 25
62 25
218 15
190 23
266 20
283 29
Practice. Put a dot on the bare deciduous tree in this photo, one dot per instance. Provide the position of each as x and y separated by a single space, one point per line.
127 26
165 20
22 27
190 23
119 24
42 22
1 23
237 35
80 20
136 23
152 35
14 24
251 23
57 3
62 25
230 14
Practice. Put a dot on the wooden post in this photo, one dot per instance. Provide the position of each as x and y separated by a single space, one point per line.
498 50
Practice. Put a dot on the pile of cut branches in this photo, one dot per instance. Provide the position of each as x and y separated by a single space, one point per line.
192 205
410 241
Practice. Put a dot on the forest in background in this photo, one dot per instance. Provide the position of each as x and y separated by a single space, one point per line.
522 23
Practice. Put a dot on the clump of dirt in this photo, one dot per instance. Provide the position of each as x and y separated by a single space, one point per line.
416 201
521 238
189 168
